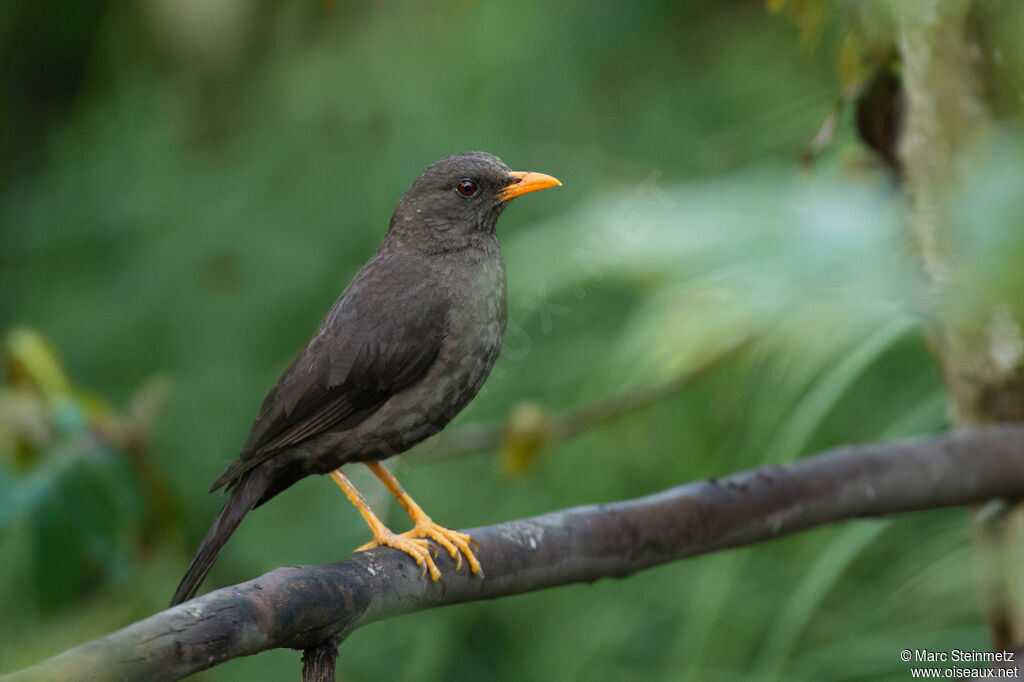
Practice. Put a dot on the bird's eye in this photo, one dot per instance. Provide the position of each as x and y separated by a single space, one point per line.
466 187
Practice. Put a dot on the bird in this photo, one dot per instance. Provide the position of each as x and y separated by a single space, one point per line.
405 348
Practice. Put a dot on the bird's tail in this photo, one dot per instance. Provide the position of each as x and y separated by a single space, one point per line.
243 498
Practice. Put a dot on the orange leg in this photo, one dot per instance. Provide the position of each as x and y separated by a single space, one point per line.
418 549
455 542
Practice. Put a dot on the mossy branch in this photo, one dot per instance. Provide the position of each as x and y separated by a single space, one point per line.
314 608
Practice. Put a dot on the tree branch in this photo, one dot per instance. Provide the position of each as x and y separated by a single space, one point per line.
303 607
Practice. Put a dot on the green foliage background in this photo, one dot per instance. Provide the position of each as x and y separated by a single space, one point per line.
189 185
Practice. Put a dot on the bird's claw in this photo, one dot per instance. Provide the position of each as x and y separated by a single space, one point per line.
457 544
418 548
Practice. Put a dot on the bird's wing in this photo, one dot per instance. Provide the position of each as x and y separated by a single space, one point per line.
365 350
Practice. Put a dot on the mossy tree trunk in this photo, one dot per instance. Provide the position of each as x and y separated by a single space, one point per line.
943 58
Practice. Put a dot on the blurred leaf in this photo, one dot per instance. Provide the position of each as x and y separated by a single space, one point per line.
810 593
65 476
32 365
808 15
851 64
527 432
837 378
84 524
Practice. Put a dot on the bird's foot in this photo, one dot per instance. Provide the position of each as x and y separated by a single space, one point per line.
424 529
455 542
418 548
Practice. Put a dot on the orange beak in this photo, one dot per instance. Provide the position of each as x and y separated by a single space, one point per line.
524 183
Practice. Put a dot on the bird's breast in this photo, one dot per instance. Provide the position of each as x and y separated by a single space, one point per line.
473 337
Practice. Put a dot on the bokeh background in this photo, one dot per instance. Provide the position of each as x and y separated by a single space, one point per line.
187 186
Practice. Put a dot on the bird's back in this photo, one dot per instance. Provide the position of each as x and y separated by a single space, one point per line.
404 349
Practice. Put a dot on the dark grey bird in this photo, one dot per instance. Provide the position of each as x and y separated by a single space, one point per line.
406 347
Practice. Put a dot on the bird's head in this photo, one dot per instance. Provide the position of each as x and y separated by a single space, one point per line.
458 199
